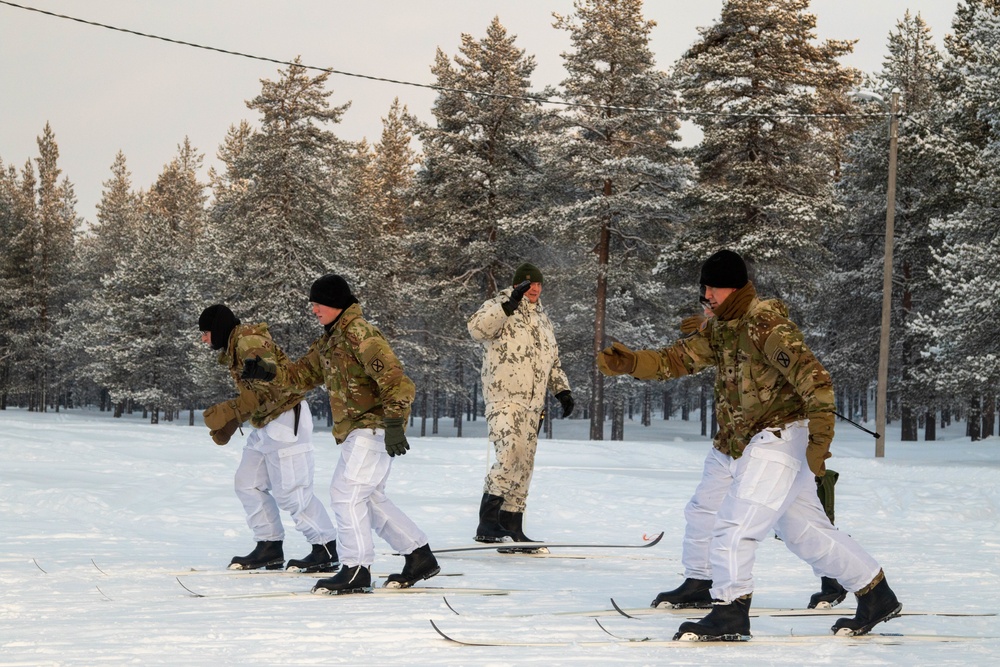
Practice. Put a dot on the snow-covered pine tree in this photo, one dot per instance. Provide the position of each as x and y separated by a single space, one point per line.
621 179
468 227
141 344
760 86
928 165
962 341
274 225
41 220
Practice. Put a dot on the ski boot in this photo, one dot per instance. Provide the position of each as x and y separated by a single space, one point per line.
266 555
490 529
322 558
357 579
513 523
831 594
420 564
876 603
692 593
729 622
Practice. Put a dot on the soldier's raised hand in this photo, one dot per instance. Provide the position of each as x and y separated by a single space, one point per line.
515 297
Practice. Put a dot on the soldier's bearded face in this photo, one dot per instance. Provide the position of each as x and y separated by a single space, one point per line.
534 292
716 295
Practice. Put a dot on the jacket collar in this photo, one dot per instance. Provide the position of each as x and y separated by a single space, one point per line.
737 304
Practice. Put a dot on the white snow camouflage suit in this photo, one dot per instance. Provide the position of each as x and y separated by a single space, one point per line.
520 360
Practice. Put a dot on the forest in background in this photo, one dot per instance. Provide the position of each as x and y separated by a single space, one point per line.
597 190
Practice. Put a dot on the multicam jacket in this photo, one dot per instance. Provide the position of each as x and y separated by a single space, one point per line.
521 356
253 340
363 377
766 376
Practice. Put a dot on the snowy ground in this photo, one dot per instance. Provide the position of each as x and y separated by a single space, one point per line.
98 516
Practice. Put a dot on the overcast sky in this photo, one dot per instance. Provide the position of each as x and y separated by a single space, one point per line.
104 91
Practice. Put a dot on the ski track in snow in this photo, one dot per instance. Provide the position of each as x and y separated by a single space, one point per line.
99 514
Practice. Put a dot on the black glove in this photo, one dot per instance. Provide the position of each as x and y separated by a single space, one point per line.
395 438
258 369
565 399
515 297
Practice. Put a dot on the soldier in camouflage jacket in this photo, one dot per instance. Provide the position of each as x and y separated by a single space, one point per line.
520 361
774 403
276 469
370 398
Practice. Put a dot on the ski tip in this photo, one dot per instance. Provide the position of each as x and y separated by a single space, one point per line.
652 540
620 610
448 604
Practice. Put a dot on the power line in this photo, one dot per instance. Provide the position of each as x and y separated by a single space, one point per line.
538 100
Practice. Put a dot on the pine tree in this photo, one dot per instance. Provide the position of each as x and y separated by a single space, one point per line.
621 180
961 342
760 86
473 191
41 221
279 206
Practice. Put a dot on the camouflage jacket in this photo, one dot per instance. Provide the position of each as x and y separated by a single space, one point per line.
521 358
246 342
363 377
766 376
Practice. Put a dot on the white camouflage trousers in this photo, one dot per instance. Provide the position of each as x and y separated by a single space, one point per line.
513 430
357 496
276 472
740 502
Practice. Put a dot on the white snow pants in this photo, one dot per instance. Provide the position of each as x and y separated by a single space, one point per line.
276 471
740 502
357 496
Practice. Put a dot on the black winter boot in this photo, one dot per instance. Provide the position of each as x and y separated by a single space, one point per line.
420 564
267 555
725 623
513 523
830 595
875 605
322 558
691 593
489 529
357 579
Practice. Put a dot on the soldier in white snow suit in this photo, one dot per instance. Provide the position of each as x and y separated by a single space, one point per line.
370 398
775 403
520 362
276 470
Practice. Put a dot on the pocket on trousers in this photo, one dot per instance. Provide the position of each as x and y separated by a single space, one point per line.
295 466
282 429
368 461
768 477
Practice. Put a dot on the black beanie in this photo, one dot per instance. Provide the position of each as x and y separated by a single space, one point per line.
724 269
333 291
527 272
219 320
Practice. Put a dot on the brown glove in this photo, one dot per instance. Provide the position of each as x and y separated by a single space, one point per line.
222 435
219 415
616 360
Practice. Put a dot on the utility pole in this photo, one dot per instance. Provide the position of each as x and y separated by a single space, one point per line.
883 349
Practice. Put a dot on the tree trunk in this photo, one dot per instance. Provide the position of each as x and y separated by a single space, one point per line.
600 304
703 406
930 426
668 404
989 414
908 425
618 418
973 421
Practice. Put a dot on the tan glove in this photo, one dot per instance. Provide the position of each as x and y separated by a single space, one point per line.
222 435
616 360
239 408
